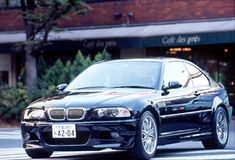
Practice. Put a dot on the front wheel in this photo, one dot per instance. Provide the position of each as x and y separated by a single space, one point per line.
38 153
220 131
146 137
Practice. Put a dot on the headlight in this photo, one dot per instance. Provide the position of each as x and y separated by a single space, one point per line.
118 112
34 114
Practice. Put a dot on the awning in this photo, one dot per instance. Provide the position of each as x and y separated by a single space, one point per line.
172 34
149 30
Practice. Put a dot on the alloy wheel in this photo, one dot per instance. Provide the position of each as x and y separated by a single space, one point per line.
149 135
221 127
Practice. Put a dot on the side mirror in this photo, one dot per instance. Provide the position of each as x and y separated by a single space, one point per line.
171 85
174 85
61 87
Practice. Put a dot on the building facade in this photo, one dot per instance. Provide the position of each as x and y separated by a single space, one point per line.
202 31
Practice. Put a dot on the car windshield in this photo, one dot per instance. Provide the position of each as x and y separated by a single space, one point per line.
118 74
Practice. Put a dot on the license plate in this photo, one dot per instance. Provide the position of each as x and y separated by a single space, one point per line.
63 131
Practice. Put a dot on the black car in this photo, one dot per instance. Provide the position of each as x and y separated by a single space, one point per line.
134 105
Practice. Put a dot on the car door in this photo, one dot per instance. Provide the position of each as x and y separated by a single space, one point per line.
204 91
179 114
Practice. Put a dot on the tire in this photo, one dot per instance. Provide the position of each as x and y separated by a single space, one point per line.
36 153
146 138
220 131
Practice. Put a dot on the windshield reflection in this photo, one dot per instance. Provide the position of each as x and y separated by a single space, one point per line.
118 74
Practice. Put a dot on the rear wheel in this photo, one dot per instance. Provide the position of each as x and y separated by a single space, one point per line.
38 153
220 131
146 137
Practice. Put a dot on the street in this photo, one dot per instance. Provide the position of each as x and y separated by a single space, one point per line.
10 148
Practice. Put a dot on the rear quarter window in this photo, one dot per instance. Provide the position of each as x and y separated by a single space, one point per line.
198 78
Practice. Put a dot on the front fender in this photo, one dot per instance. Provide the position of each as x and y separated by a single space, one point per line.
141 106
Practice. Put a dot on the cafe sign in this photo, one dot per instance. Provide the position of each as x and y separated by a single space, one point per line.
181 40
99 44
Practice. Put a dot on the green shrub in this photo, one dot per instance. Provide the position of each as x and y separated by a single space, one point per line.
64 73
12 101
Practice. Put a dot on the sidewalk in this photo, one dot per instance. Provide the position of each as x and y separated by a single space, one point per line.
7 124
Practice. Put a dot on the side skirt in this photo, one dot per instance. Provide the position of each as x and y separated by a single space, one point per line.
194 135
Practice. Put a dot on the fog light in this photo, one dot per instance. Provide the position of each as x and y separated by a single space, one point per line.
26 136
114 135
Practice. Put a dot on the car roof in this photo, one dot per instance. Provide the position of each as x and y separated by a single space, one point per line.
154 59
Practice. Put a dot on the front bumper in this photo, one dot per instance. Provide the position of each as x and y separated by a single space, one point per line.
91 135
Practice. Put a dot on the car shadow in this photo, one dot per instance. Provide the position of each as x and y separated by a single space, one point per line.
190 152
177 150
114 155
121 155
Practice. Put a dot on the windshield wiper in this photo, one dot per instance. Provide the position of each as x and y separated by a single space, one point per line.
145 87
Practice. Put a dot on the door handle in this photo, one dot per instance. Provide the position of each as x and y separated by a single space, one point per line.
196 93
195 101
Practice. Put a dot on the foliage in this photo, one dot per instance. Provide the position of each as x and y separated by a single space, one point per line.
12 101
65 72
40 17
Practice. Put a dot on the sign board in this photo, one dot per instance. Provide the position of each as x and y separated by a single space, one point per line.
181 40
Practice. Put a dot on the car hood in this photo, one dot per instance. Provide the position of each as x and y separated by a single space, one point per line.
91 98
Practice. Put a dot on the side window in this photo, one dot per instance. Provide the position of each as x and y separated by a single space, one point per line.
198 78
176 71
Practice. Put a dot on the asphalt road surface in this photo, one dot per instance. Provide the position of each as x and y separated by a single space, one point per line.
10 148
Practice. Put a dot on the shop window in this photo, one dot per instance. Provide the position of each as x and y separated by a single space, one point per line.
9 3
14 3
3 77
3 3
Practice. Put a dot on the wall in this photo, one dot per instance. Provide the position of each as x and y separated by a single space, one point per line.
144 11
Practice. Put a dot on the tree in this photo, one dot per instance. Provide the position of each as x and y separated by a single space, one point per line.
40 17
64 72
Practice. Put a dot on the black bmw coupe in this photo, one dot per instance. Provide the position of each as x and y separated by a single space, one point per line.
134 105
